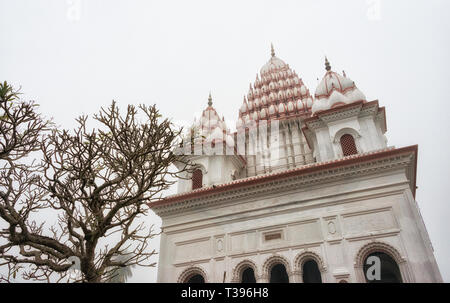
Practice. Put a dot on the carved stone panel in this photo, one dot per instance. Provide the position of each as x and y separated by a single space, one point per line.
369 221
243 242
305 232
192 250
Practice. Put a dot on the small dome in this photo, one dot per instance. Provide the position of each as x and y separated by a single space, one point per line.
273 65
257 102
308 102
217 134
244 106
263 114
335 90
255 116
250 105
300 106
355 95
246 119
289 93
303 90
239 123
264 101
290 107
272 110
281 108
210 127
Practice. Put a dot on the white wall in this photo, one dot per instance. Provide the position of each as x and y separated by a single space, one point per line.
332 221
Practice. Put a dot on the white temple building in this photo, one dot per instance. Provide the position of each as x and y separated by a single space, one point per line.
307 190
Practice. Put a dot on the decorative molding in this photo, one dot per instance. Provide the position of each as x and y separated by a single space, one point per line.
300 208
274 260
373 235
329 172
191 262
241 266
203 239
191 271
377 246
305 256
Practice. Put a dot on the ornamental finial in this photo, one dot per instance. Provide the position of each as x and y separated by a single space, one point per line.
272 51
327 64
209 99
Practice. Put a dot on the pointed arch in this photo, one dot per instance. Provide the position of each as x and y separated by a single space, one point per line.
240 267
346 130
273 261
303 257
197 176
190 272
377 246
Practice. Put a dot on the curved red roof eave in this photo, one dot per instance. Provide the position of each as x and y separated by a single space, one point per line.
290 173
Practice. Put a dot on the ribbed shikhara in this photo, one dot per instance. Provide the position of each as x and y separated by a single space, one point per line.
277 93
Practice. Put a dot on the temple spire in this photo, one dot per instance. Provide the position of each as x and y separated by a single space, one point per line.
272 51
327 64
209 99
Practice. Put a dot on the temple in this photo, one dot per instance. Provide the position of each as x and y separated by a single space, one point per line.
306 189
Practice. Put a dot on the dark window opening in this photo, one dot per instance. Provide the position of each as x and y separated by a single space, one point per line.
197 179
348 145
389 270
278 274
311 272
248 276
196 279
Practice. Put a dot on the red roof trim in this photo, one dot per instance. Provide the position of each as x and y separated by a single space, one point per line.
290 173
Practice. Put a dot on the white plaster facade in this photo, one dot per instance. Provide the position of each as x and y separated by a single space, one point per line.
315 202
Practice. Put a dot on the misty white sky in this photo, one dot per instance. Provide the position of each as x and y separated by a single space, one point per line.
75 56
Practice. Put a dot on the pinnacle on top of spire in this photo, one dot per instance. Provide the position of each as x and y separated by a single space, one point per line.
209 99
327 64
272 51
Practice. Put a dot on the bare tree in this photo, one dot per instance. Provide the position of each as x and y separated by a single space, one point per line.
97 183
20 130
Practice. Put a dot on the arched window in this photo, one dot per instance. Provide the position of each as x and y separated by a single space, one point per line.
311 272
389 271
278 274
197 179
248 276
196 279
348 145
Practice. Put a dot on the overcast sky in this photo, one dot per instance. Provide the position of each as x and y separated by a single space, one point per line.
75 56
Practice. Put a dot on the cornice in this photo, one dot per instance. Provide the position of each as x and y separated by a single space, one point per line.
316 173
356 109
